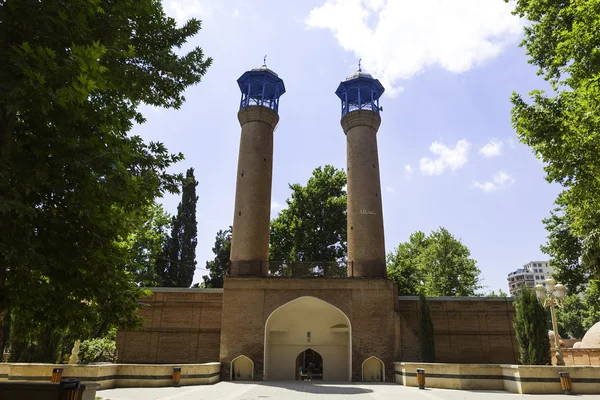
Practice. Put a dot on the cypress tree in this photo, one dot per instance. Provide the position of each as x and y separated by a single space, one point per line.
531 321
178 263
426 331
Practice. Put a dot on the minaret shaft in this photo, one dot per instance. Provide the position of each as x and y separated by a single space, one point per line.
366 243
261 89
250 239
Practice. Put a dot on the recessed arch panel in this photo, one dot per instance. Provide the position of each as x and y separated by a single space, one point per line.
373 370
242 369
303 323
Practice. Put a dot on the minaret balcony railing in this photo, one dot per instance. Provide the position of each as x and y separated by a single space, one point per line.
263 94
302 269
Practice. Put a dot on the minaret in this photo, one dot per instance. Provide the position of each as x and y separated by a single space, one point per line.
261 89
360 120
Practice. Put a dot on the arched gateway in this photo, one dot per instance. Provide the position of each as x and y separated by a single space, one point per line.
302 324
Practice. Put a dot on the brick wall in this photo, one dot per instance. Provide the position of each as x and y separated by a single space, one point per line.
180 326
248 302
467 329
207 325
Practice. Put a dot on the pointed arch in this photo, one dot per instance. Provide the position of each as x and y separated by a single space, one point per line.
340 328
242 368
370 367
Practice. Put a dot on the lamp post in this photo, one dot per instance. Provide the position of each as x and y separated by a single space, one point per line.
552 295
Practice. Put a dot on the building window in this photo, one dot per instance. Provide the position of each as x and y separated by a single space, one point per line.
537 277
542 277
544 284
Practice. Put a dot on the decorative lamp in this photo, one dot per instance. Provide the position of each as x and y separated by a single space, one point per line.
550 285
540 291
560 290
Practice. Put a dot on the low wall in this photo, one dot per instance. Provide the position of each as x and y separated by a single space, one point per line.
579 356
522 379
115 375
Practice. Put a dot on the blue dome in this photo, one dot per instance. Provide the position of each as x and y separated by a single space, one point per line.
261 87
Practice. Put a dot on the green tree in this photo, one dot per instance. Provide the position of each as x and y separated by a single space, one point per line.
563 129
565 250
73 182
438 263
530 322
570 318
178 263
313 226
146 244
501 293
591 301
405 264
218 266
426 331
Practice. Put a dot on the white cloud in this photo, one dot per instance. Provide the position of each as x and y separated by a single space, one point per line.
408 171
398 39
512 143
447 158
182 10
275 205
236 12
389 189
493 148
500 180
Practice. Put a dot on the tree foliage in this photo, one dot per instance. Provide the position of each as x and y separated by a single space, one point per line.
313 226
177 265
563 129
146 245
501 293
74 184
579 313
218 266
437 263
565 249
426 331
530 322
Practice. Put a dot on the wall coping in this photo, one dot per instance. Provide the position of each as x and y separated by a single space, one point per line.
108 365
184 290
556 367
459 298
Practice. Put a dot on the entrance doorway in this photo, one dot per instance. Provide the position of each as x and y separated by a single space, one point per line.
313 328
309 366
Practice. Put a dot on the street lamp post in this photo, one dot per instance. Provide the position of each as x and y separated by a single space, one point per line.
552 295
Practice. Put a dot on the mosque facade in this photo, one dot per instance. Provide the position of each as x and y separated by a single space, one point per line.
310 320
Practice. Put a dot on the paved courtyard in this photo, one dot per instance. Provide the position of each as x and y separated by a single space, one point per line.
307 391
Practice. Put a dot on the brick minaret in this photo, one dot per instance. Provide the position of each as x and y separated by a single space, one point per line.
261 89
360 120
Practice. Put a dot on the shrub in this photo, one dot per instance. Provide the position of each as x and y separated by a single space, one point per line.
426 331
98 350
531 321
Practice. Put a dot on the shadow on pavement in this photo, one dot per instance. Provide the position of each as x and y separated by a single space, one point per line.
312 387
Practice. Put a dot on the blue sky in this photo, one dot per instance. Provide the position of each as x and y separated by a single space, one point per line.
448 154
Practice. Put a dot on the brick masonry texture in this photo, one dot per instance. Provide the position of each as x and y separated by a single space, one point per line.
205 325
180 326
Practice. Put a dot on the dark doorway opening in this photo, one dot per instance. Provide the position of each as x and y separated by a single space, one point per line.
309 366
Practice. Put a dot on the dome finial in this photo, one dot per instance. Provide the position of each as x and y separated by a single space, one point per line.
265 60
359 60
